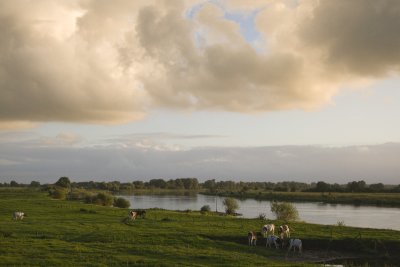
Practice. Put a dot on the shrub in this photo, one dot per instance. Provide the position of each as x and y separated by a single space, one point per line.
284 211
58 193
231 205
121 202
340 223
205 208
262 217
100 199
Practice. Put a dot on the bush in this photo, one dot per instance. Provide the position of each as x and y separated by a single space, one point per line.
78 194
284 211
262 216
100 199
121 202
58 193
205 208
231 205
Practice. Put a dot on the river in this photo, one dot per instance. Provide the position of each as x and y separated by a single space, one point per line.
358 216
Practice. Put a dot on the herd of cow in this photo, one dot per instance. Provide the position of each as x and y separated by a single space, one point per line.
268 232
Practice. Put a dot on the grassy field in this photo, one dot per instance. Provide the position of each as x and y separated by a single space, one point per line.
67 233
379 199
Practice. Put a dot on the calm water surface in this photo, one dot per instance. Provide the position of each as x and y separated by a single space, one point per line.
360 216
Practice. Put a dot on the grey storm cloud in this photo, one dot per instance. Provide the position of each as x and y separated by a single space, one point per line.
114 61
26 161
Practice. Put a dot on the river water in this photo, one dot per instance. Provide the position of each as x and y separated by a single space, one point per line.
359 216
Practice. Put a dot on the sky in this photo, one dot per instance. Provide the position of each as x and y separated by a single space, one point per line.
240 90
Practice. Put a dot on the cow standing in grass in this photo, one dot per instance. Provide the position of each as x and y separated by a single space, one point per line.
18 215
141 213
268 229
295 243
133 215
252 237
272 239
284 233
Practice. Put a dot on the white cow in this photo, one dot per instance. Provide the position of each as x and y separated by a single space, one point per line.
18 215
295 243
268 229
272 239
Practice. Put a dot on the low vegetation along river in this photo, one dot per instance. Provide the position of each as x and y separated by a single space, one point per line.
359 216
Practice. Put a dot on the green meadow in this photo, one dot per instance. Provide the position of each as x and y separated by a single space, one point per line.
71 233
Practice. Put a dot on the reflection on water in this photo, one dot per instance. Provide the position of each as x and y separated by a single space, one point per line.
321 213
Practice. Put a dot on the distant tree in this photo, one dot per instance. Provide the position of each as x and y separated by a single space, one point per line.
322 187
14 184
63 182
34 184
121 202
157 183
284 211
379 187
231 205
356 186
138 184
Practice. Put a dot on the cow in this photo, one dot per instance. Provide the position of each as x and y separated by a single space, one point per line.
272 239
18 215
284 234
295 243
141 213
252 237
132 215
268 229
284 231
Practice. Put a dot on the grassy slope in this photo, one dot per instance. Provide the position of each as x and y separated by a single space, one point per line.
71 234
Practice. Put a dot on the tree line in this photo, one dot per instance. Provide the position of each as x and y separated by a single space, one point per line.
214 187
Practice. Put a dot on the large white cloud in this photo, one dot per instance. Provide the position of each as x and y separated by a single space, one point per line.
113 61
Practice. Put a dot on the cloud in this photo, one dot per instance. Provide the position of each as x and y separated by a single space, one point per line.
25 162
112 62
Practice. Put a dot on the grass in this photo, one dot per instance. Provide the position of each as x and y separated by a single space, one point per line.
68 233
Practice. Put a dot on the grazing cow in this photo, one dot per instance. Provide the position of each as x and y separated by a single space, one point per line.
272 239
268 229
141 213
18 215
295 243
132 215
252 237
284 231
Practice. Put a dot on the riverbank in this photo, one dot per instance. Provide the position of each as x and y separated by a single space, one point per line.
375 199
59 233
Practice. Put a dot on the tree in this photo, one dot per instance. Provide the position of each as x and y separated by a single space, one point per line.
231 205
14 184
284 211
356 186
322 187
121 202
34 184
64 182
379 187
